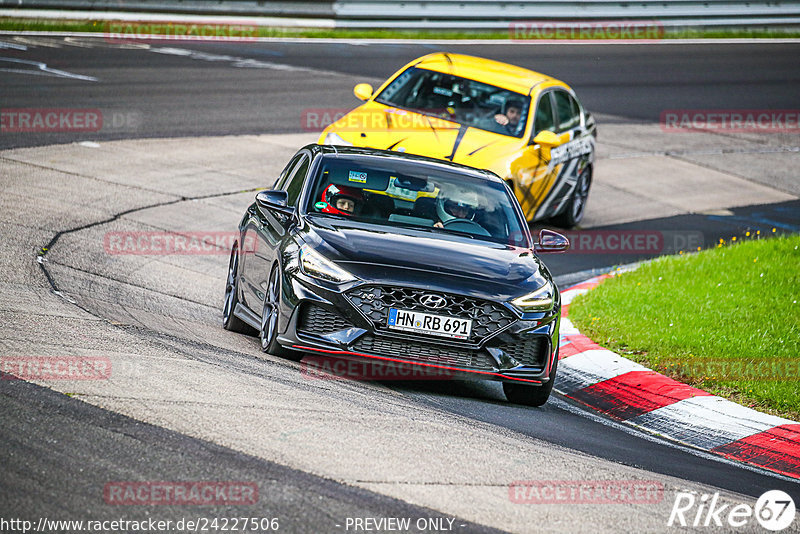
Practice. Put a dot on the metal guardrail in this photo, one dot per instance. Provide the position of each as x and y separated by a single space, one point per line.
562 9
284 8
461 14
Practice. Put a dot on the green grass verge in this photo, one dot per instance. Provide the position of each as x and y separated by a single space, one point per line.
726 320
33 24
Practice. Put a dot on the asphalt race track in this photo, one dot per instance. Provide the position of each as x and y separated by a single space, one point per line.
190 132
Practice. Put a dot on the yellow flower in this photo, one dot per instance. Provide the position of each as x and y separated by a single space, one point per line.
747 234
733 238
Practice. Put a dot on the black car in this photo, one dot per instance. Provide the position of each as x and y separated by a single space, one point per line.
369 254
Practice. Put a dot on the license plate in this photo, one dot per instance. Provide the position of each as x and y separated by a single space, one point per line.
427 323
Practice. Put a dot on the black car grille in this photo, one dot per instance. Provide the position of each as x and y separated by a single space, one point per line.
426 352
317 320
375 301
531 352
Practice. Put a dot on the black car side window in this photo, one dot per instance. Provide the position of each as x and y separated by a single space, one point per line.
294 183
569 113
281 181
543 120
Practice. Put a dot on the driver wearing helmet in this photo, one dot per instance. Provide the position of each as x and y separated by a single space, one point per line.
342 200
456 205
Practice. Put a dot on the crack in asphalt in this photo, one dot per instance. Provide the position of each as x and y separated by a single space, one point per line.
131 284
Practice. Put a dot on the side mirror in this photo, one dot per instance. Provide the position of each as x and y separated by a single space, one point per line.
363 91
274 200
546 140
550 241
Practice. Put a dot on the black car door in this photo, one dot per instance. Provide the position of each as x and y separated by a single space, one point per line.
265 230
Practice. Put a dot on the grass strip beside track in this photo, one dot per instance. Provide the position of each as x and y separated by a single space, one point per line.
99 26
726 320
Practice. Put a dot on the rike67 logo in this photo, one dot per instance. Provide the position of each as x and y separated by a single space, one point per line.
774 511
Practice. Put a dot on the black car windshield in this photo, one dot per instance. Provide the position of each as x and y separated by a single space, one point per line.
395 193
457 99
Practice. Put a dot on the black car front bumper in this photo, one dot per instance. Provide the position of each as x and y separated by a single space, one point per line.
322 319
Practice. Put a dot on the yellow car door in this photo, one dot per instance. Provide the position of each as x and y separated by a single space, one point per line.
552 174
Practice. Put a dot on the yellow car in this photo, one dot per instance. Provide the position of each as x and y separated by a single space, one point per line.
478 112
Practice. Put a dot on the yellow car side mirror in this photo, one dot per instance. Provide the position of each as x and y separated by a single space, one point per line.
363 91
546 140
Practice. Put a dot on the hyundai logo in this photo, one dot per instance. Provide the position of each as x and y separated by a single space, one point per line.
429 300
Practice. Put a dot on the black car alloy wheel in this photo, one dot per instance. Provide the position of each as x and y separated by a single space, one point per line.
269 314
229 320
269 318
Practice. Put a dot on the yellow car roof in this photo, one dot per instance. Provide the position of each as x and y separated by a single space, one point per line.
489 71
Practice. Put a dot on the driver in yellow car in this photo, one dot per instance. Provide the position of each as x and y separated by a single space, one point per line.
511 116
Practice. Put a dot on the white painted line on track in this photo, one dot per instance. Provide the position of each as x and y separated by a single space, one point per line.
707 421
654 437
43 69
12 46
568 296
590 367
241 62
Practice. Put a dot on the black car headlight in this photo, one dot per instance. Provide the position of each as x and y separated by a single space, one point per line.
537 301
315 265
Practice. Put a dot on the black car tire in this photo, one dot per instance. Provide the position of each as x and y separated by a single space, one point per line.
229 320
531 395
270 316
576 206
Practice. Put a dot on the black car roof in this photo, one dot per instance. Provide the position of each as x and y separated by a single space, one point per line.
402 156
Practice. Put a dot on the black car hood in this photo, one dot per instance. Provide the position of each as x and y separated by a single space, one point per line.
373 252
